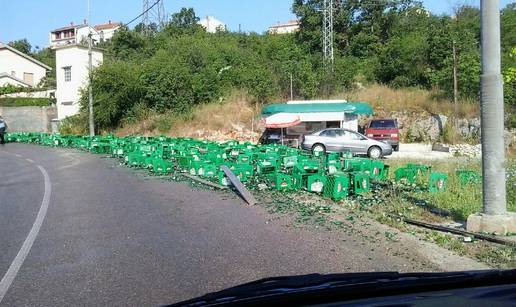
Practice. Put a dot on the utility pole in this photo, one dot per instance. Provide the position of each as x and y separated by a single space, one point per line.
328 33
291 88
90 66
493 149
495 217
455 88
455 83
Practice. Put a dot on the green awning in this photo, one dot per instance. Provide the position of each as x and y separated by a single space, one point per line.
357 108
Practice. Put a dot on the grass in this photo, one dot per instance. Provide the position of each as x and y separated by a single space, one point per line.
25 102
498 256
235 110
456 203
238 109
384 99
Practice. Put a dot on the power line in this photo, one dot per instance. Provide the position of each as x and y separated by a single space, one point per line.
145 11
152 15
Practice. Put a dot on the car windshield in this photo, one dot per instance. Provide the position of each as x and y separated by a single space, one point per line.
383 124
162 150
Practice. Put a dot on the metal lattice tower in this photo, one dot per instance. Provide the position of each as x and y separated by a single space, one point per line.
328 32
155 15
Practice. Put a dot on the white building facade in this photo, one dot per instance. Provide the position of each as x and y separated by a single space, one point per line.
19 69
212 24
284 28
106 31
72 76
76 34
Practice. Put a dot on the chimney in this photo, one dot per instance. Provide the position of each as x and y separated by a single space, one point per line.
84 21
109 22
71 23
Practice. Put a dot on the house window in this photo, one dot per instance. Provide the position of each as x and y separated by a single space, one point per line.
67 73
28 78
58 35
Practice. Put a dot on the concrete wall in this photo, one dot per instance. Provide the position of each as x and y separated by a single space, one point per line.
10 61
29 119
68 92
39 94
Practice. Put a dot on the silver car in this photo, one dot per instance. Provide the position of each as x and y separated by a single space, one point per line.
337 139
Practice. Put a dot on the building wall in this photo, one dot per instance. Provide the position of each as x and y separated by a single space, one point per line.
10 61
68 92
284 29
211 24
29 119
81 33
106 34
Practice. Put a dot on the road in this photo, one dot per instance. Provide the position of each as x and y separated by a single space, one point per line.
111 237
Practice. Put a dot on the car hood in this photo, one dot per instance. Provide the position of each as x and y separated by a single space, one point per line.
313 288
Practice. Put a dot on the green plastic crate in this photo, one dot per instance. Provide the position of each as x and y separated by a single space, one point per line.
162 167
266 167
282 182
405 175
361 183
437 182
378 170
290 161
223 179
315 183
336 187
422 170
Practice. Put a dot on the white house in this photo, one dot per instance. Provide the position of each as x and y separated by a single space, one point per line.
72 76
75 34
105 31
284 28
71 34
212 24
19 69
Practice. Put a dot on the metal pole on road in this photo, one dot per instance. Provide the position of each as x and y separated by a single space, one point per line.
492 113
90 66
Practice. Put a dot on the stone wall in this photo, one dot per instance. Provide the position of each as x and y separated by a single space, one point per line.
29 119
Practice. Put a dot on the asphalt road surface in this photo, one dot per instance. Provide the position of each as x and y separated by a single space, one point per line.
77 229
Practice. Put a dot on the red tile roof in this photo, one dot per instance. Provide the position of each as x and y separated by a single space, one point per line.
106 26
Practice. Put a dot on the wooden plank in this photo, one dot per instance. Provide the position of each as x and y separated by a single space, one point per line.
206 182
244 193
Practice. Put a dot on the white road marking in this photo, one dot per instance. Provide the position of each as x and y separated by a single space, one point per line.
29 160
18 155
15 266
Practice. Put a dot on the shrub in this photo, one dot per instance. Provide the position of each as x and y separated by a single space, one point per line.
25 102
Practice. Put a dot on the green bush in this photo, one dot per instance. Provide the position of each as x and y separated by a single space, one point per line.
25 102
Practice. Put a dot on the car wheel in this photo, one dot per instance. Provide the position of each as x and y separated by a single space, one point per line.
396 148
374 152
318 148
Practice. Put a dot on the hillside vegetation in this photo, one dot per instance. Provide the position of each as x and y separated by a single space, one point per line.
165 77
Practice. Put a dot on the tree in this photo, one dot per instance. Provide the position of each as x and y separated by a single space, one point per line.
186 18
21 45
47 56
127 43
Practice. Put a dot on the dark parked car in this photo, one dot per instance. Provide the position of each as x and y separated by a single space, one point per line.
338 139
385 130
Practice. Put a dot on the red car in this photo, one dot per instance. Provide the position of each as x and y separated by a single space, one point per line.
384 130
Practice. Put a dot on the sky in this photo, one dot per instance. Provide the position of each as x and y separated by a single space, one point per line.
34 19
